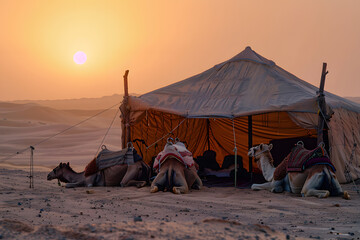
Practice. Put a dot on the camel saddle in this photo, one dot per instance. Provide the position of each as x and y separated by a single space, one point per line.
300 159
107 158
177 151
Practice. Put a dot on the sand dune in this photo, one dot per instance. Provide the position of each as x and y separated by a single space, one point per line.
24 125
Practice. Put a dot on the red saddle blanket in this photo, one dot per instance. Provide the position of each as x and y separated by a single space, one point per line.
177 151
300 159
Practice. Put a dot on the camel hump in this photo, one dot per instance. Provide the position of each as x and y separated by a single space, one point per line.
281 170
91 168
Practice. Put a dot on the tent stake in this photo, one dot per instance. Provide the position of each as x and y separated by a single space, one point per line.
31 177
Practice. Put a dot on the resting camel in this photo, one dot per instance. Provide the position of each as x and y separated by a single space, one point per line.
118 175
176 170
318 180
136 173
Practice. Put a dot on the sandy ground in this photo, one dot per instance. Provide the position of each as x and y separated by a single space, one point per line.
50 211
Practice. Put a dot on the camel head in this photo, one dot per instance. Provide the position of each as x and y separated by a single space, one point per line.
57 172
263 160
257 151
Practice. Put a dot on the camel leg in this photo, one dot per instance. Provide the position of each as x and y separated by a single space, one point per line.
90 180
131 173
273 186
180 184
136 183
158 181
277 186
197 184
312 184
76 184
263 186
286 184
337 187
192 179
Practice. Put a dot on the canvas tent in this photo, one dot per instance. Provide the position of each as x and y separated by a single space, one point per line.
246 95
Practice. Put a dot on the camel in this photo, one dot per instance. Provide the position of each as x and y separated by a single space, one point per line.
318 180
118 175
176 170
134 173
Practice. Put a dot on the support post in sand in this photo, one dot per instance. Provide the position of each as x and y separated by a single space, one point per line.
31 176
250 143
322 131
126 134
208 133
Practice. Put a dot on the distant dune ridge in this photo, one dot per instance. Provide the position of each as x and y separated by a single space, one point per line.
81 103
354 99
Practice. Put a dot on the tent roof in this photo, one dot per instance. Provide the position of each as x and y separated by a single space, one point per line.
246 84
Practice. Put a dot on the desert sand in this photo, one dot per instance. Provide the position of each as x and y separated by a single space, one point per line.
50 211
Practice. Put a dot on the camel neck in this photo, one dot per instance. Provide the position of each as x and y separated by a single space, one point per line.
72 176
267 167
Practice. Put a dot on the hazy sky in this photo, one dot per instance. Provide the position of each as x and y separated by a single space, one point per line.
162 42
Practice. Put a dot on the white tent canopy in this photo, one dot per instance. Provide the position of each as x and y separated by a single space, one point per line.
248 85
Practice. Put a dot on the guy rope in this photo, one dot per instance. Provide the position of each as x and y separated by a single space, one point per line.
32 147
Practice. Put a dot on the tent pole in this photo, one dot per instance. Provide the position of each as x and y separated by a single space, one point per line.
208 132
322 133
250 143
235 150
126 134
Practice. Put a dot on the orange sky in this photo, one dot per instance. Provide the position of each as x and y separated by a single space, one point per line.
162 42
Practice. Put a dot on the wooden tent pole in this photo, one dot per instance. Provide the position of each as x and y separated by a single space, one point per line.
322 133
126 133
126 88
208 133
250 143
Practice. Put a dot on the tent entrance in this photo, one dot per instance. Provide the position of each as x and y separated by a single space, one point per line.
215 134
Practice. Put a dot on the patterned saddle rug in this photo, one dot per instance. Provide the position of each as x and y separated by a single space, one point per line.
107 158
177 151
300 159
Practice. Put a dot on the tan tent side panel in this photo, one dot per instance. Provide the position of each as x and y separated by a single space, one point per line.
344 136
155 127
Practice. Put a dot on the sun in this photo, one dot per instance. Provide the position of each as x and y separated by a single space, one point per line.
80 57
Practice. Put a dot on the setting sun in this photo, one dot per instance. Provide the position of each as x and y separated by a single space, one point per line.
80 57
